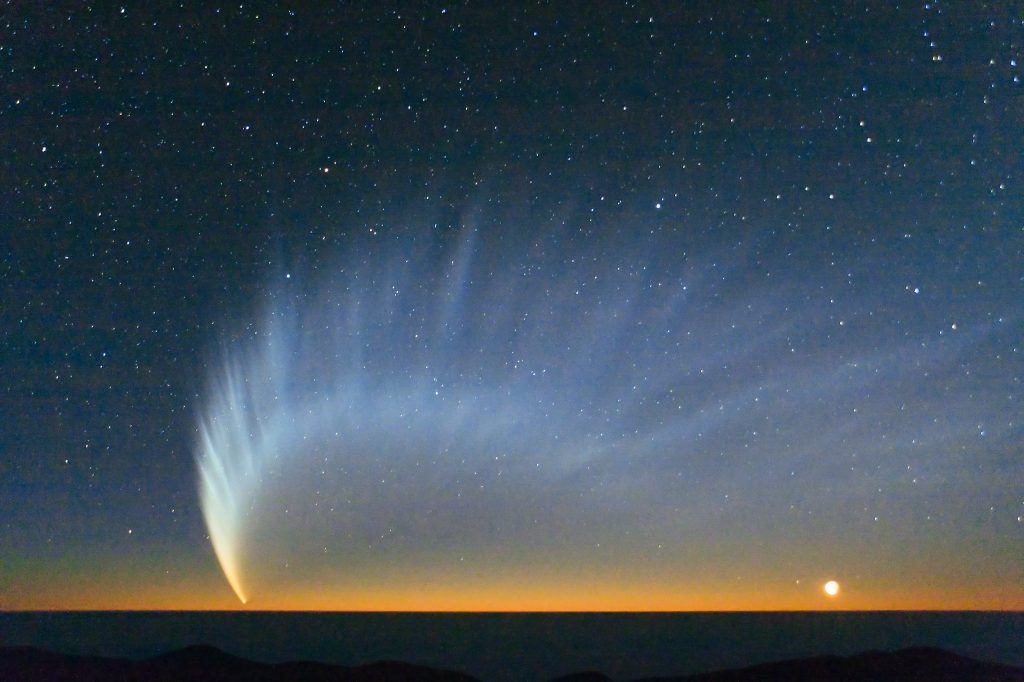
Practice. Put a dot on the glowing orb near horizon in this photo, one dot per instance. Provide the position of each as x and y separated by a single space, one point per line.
831 588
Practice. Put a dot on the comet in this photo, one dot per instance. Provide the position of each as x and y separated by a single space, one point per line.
414 402
350 403
229 475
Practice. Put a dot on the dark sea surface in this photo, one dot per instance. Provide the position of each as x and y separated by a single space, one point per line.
506 646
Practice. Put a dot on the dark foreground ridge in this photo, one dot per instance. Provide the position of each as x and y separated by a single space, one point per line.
203 664
916 664
209 664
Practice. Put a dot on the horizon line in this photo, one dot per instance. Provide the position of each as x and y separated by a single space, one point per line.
520 612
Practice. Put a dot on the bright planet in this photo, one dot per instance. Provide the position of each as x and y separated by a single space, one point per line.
831 588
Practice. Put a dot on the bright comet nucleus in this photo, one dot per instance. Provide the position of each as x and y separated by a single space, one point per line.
832 588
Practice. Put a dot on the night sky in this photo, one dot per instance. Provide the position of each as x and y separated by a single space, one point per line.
488 306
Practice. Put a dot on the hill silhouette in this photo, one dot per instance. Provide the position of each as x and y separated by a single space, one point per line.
203 663
917 664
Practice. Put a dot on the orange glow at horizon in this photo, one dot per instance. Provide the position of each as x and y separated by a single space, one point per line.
156 579
546 596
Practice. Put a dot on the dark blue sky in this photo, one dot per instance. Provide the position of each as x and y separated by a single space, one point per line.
632 306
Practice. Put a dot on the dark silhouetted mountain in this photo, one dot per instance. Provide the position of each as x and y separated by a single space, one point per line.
209 664
918 664
201 664
589 676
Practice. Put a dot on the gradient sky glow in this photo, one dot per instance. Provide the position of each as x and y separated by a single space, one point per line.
456 308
